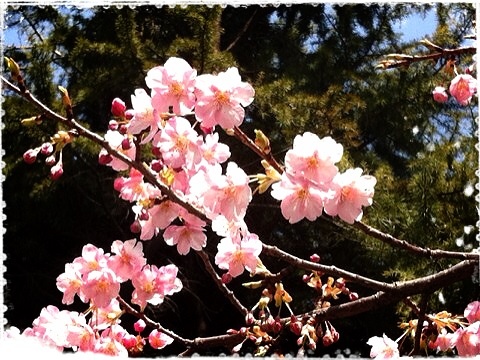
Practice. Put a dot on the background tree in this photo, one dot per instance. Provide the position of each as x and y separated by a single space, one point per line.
313 69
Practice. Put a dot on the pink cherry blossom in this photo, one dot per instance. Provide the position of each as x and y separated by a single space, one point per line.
115 139
167 282
160 217
133 188
101 287
313 158
52 326
70 283
212 151
145 291
299 199
443 342
472 312
139 325
159 340
128 258
220 99
467 340
152 284
440 94
235 256
227 195
92 258
144 116
383 348
81 335
462 88
188 236
109 346
172 85
352 190
179 143
106 316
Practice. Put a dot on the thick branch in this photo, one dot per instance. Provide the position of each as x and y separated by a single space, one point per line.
404 289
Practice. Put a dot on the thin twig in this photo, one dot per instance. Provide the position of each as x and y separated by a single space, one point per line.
223 288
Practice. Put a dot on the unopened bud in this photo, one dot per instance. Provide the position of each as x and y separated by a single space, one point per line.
156 165
144 215
56 171
126 143
129 114
118 107
315 258
104 158
50 160
340 283
353 296
122 129
226 278
46 148
295 325
306 278
262 141
112 125
135 227
139 325
30 156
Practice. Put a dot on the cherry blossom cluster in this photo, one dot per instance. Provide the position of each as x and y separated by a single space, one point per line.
312 183
462 88
441 332
188 162
96 277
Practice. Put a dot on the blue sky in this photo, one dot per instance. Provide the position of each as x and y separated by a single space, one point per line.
413 27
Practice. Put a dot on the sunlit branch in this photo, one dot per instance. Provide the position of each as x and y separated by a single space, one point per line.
426 252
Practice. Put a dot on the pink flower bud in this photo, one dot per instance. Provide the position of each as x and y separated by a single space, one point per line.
113 125
440 94
56 171
129 114
306 278
118 107
46 148
126 144
353 296
122 129
50 160
104 158
156 165
30 156
135 227
226 278
144 215
315 258
139 325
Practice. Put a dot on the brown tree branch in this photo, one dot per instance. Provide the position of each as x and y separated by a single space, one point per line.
425 252
402 290
403 60
223 288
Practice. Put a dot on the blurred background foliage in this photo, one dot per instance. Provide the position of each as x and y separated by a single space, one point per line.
313 69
